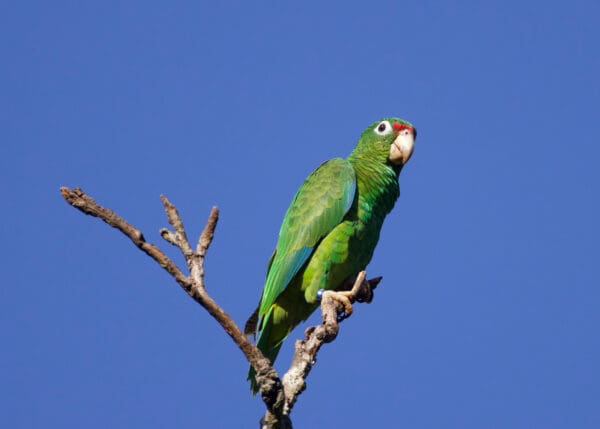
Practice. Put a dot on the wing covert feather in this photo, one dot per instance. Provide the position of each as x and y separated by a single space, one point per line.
319 205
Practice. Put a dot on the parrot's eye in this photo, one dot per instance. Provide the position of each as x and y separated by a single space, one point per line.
384 128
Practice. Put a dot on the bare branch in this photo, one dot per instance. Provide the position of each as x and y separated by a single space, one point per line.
81 201
269 382
169 236
197 268
179 237
208 232
335 305
278 395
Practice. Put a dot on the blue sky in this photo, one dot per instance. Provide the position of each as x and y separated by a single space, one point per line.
488 312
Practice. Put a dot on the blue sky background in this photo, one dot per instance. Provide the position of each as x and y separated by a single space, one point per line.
488 315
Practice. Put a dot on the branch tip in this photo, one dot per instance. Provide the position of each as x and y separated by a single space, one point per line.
208 233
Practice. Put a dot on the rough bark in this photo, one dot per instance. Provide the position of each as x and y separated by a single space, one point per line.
278 394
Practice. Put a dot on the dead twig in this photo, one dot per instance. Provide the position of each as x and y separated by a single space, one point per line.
193 284
278 395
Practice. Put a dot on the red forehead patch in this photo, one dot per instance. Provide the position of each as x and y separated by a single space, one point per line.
398 126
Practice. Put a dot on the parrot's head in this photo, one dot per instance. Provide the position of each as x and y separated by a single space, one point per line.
389 141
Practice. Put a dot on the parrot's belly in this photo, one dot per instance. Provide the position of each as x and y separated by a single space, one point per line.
344 252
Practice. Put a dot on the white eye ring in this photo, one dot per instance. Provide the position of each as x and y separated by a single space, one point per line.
383 128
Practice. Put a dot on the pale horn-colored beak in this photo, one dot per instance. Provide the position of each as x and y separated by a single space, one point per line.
402 147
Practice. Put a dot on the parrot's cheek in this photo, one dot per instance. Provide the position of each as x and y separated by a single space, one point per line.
401 149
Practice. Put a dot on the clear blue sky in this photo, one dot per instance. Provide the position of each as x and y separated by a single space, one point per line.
488 315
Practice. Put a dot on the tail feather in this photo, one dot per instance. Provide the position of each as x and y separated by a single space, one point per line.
269 341
251 325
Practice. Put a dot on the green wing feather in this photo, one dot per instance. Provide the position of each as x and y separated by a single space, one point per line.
319 205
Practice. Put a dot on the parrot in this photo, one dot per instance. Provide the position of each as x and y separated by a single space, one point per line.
329 232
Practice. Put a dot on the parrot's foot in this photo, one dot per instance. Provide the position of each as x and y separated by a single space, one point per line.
344 298
361 291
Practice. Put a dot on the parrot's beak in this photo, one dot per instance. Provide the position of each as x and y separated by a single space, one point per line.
402 147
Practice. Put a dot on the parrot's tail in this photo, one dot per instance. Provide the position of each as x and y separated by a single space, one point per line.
270 339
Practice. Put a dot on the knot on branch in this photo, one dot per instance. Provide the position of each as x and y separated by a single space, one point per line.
270 386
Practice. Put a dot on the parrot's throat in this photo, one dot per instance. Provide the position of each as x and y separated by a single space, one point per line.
377 189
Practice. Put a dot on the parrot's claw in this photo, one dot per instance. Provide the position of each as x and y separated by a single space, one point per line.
343 297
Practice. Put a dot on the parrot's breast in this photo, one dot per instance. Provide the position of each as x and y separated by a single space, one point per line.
349 247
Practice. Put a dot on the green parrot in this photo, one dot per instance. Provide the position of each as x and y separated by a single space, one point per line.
330 231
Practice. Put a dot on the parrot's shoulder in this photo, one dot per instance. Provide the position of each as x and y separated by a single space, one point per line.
335 167
332 182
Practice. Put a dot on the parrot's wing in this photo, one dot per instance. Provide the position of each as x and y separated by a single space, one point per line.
319 205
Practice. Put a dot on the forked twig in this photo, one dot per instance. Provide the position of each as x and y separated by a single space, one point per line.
279 395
